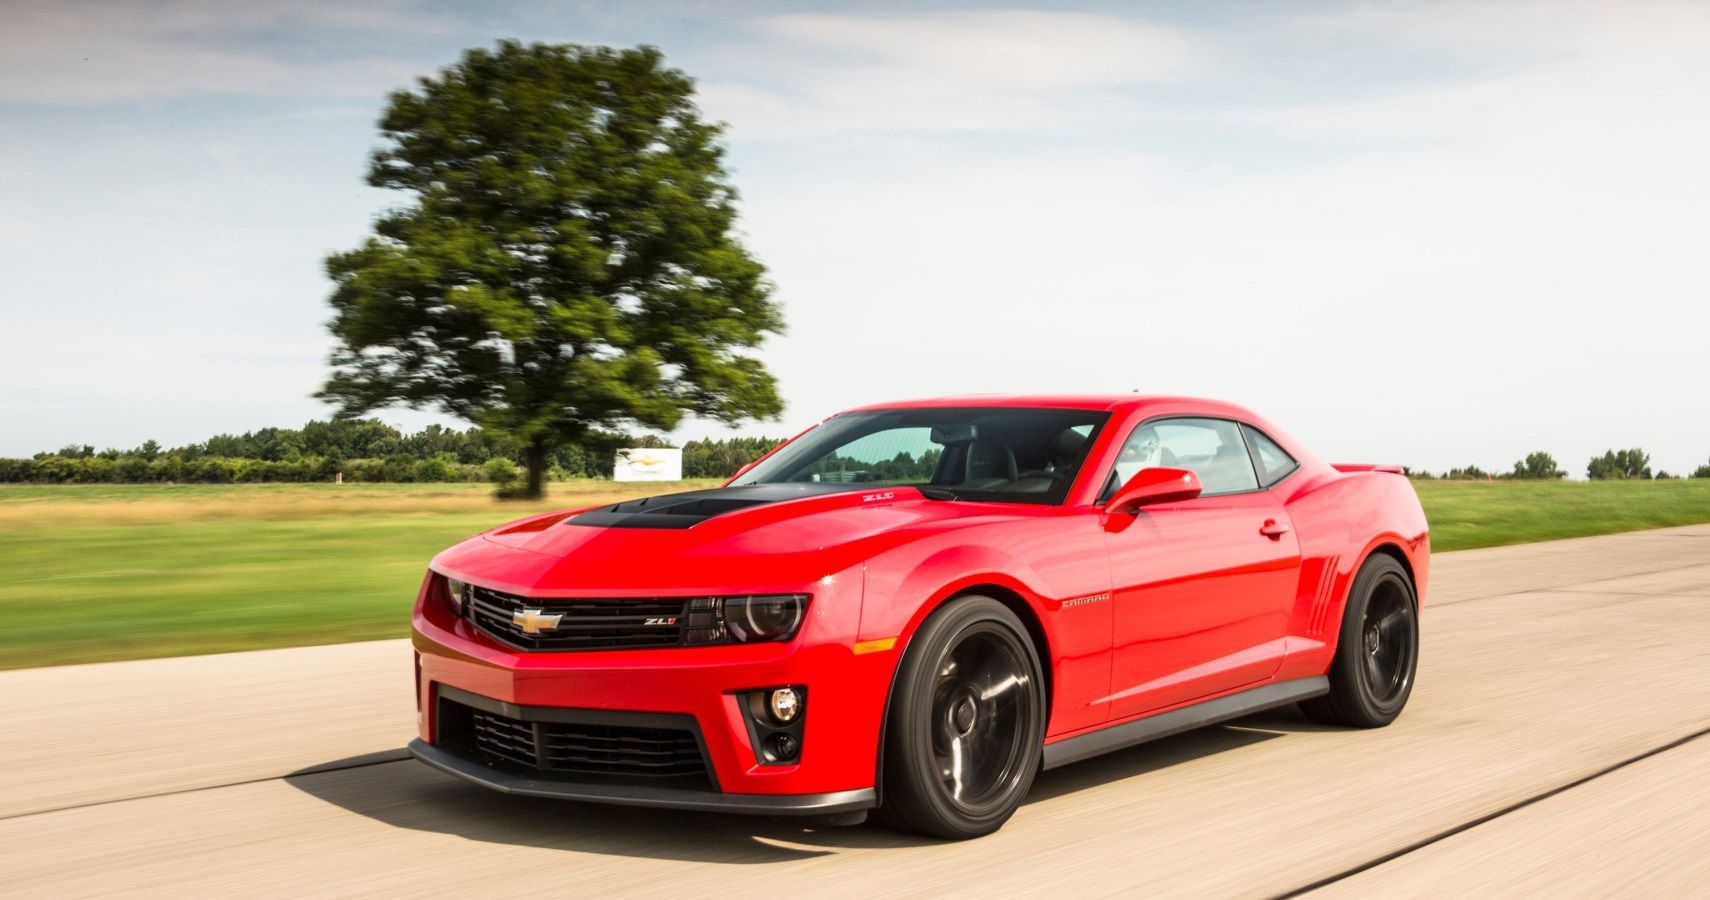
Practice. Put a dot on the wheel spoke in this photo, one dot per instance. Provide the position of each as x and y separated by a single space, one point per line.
957 766
1375 676
1391 621
996 691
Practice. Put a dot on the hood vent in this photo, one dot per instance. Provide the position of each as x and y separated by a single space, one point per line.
691 508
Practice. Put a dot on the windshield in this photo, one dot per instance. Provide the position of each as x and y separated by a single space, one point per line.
994 453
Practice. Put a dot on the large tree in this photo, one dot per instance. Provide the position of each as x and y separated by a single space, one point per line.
1633 463
566 261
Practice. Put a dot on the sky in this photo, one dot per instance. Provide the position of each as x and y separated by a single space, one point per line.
1430 234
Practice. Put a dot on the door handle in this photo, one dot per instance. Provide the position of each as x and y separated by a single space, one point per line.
1273 529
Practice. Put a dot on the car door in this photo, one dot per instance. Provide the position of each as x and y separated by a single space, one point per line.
1202 588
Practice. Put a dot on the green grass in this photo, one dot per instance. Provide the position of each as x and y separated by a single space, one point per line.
102 572
1468 514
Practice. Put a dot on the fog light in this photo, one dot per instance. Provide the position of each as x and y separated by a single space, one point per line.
784 747
785 704
777 720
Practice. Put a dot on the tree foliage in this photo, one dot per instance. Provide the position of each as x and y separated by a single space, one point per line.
1538 465
566 262
1632 463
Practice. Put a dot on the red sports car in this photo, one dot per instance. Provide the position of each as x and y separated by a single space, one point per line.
915 607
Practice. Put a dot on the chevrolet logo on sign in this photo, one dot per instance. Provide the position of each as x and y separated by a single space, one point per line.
533 621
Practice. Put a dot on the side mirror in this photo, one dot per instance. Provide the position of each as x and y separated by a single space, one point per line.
744 470
1154 485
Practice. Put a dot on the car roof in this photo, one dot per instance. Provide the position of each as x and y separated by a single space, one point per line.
1109 402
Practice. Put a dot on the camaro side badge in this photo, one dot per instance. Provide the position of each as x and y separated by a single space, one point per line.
533 621
1082 601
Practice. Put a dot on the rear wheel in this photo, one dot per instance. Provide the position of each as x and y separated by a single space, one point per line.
967 723
1377 651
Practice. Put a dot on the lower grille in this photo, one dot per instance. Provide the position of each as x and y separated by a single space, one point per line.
574 745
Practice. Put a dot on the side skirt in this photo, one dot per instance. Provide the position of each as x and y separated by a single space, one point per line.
1210 712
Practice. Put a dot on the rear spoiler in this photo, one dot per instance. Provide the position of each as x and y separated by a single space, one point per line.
1367 467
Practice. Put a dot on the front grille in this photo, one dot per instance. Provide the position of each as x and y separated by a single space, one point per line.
605 747
589 624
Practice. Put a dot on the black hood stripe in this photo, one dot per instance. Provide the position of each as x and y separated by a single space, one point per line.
691 508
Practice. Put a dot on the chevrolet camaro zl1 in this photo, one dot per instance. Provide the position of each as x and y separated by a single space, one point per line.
916 607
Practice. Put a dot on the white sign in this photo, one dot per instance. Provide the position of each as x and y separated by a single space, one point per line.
648 464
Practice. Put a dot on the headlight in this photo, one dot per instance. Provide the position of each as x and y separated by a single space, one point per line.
744 620
455 593
768 618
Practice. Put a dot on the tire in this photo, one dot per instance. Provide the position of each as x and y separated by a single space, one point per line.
966 727
1377 650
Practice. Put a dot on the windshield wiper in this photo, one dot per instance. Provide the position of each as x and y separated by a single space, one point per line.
937 493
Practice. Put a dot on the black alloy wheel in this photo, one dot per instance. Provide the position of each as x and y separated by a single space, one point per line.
1386 640
967 721
1377 651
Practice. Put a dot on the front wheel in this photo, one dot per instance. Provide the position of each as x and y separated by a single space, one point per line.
967 723
1377 651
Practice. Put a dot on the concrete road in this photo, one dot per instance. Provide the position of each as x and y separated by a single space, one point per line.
1555 743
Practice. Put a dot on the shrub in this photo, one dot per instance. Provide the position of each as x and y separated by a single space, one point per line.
501 472
133 470
364 470
436 469
169 468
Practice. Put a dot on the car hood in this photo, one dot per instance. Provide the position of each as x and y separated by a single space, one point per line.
747 538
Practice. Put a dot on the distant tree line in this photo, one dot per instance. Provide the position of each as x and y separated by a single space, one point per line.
1613 465
368 450
364 450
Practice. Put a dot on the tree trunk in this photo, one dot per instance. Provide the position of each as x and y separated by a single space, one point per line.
535 456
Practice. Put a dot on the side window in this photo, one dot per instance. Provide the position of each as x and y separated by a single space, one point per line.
1211 448
1272 461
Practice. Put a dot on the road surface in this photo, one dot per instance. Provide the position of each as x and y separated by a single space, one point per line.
1555 744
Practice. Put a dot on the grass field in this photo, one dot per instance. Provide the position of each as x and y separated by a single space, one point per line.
122 572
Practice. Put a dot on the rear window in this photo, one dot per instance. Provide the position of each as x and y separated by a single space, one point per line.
1271 462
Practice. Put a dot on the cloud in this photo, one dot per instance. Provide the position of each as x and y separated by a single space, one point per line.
88 53
1557 72
940 72
1415 261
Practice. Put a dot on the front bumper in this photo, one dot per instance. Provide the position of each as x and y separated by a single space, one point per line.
641 795
834 773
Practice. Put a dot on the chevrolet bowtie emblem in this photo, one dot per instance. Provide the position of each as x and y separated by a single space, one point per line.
533 621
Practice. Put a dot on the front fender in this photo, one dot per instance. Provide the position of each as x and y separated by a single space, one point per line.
1057 569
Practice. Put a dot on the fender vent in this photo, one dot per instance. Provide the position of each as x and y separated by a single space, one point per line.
1318 622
